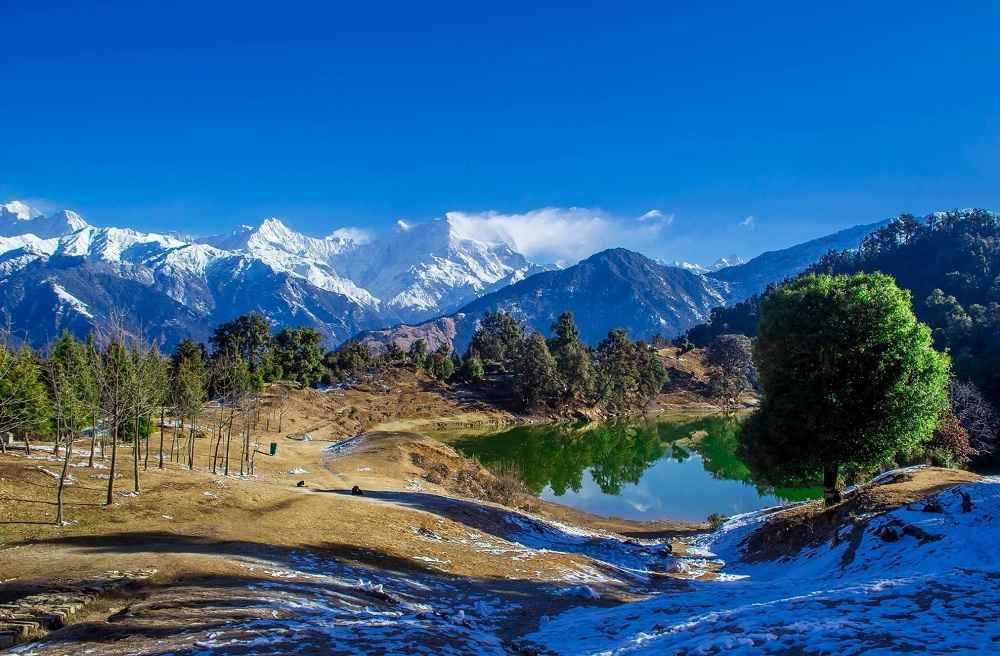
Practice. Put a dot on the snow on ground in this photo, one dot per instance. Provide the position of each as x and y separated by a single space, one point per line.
307 603
926 594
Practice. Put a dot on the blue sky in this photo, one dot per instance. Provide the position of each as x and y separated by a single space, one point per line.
200 116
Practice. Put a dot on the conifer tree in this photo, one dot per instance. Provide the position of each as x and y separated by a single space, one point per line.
536 378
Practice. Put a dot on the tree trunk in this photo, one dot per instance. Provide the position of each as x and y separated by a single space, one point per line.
93 437
831 494
215 456
191 447
114 461
135 455
145 454
62 483
173 444
229 438
162 413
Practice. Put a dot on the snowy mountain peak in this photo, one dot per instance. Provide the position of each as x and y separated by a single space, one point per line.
18 218
727 261
721 263
20 210
70 219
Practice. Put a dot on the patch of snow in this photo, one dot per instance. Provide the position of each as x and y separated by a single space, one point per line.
937 595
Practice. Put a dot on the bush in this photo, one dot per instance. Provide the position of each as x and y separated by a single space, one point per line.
949 446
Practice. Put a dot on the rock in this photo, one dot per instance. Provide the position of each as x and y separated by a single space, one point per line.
966 501
300 484
933 506
888 534
356 491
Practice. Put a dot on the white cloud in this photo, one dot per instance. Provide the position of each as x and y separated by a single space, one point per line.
657 215
749 223
562 235
357 235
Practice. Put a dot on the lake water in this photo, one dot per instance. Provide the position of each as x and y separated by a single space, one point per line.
684 469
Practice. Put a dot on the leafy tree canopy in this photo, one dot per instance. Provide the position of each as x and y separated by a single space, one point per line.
850 377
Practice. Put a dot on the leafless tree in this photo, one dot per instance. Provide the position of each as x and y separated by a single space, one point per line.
113 378
976 415
68 413
730 361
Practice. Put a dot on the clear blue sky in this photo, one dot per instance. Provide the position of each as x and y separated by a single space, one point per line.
199 116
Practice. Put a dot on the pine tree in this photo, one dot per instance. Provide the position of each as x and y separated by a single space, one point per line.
498 338
573 360
536 378
418 353
472 368
188 378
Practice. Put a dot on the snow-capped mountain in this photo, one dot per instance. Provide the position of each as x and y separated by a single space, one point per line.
18 218
58 272
616 288
721 263
431 268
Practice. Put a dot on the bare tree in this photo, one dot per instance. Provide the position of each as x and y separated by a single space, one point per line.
730 361
113 377
282 393
976 415
69 412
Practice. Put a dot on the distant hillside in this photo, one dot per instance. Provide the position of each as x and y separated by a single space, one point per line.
745 280
950 261
615 288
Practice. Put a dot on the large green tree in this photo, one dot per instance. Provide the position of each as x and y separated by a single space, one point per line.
629 374
573 360
536 379
248 336
299 353
497 338
850 378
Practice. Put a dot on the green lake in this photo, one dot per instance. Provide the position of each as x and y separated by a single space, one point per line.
678 468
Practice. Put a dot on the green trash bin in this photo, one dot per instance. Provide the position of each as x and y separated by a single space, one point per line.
274 448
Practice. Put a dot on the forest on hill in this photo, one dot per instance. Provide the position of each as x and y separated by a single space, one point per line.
948 261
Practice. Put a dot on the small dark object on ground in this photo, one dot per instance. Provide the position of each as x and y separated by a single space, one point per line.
667 550
356 491
300 484
966 501
888 533
933 506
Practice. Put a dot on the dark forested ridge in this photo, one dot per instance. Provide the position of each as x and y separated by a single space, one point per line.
949 261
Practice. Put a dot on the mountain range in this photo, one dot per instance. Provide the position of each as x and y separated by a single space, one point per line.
431 280
58 272
618 288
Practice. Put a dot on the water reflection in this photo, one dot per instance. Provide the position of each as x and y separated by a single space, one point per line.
681 469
